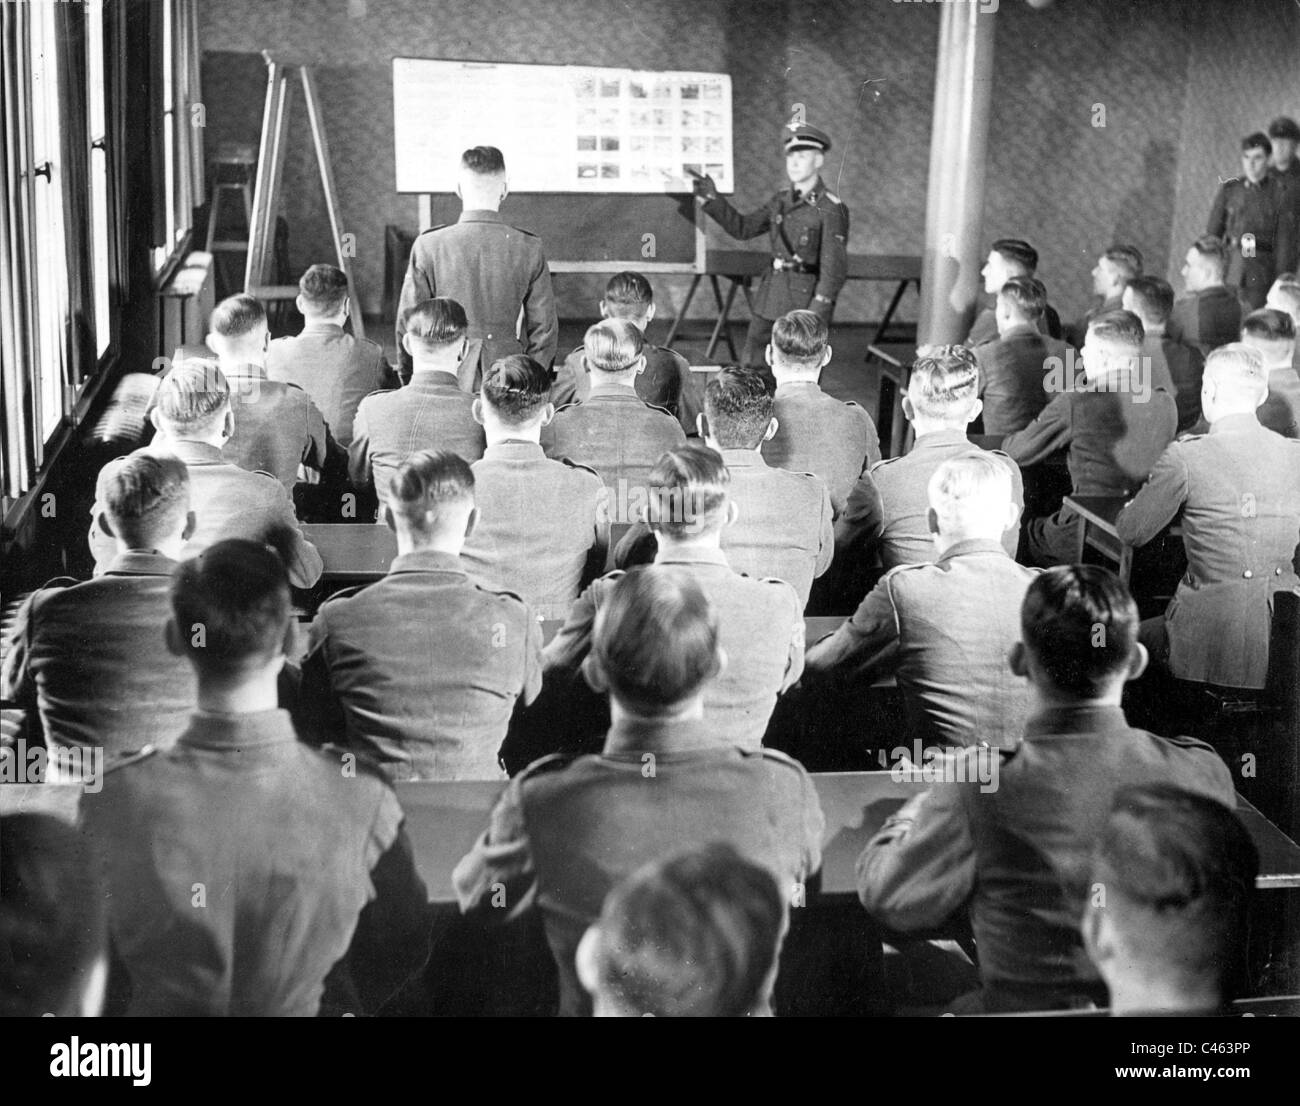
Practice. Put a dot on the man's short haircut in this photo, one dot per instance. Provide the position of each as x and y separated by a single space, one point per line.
1268 325
1155 295
1288 291
485 161
1128 259
612 345
236 316
1284 127
688 490
1256 140
1179 873
428 481
1118 328
1027 295
945 384
1017 252
437 322
801 337
738 408
146 498
1080 622
628 295
53 916
655 639
323 289
696 935
1213 251
193 396
970 492
516 388
231 606
1240 369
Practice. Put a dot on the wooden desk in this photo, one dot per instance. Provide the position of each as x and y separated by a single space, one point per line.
352 551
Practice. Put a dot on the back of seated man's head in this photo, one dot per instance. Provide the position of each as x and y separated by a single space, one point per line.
689 493
435 333
971 500
322 292
431 498
696 935
238 329
147 500
1285 296
1272 333
1206 263
231 610
628 295
1113 343
737 409
613 350
517 391
1022 300
193 400
1173 875
1235 381
654 643
1151 299
800 346
53 920
1078 627
943 387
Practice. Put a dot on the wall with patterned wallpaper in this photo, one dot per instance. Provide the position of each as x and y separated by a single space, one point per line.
1180 83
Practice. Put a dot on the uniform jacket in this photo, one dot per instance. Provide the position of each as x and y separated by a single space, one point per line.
430 412
1264 210
1012 371
277 426
818 433
1238 489
666 382
284 844
761 628
1280 412
1019 855
492 269
812 228
945 629
228 502
543 528
335 368
93 658
888 507
565 831
421 669
1206 319
1178 367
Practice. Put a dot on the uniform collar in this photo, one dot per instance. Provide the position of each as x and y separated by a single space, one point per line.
811 196
692 557
1021 330
424 380
329 330
796 387
514 449
939 438
743 459
246 371
236 732
140 562
612 391
639 735
427 560
480 215
1084 718
970 546
1235 424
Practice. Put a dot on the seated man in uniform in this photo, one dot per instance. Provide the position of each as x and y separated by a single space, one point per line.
888 510
614 431
567 830
1114 424
1009 259
430 412
91 656
543 529
1237 488
760 622
666 381
1114 269
946 628
192 414
337 369
1273 334
422 669
695 936
1170 935
1028 839
815 432
277 427
1209 315
1175 365
1014 365
239 862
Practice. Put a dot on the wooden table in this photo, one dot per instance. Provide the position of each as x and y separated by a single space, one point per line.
352 551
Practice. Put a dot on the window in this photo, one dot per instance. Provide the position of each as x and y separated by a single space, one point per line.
182 165
97 128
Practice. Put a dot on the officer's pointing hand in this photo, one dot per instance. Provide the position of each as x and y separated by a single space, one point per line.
705 188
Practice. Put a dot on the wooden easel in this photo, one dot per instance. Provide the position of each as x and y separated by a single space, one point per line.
266 195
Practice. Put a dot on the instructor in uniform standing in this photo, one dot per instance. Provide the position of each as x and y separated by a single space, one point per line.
495 270
809 229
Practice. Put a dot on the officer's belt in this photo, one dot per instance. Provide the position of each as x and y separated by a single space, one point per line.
781 265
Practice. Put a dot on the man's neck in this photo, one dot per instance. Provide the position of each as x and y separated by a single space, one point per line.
236 361
168 547
944 542
324 320
1153 330
1215 416
718 447
922 426
1043 696
1133 996
256 693
784 376
1006 325
217 439
474 202
613 381
498 432
673 548
428 366
686 711
437 543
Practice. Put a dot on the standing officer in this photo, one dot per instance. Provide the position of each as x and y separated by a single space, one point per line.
491 267
809 229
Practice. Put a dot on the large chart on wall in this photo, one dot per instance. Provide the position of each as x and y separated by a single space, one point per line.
562 128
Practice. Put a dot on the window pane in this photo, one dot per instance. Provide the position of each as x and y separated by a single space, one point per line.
98 174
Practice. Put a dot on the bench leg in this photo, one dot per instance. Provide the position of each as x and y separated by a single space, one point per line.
677 322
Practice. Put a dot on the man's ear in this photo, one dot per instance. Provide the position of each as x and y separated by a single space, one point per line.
1137 663
909 409
1018 660
604 310
212 340
471 522
767 354
406 343
505 187
720 655
155 417
932 520
228 424
102 521
594 674
191 524
733 513
640 364
826 357
459 193
650 313
975 410
389 520
1096 938
548 413
476 409
587 960
174 638
772 428
286 645
702 424
1013 515
297 302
